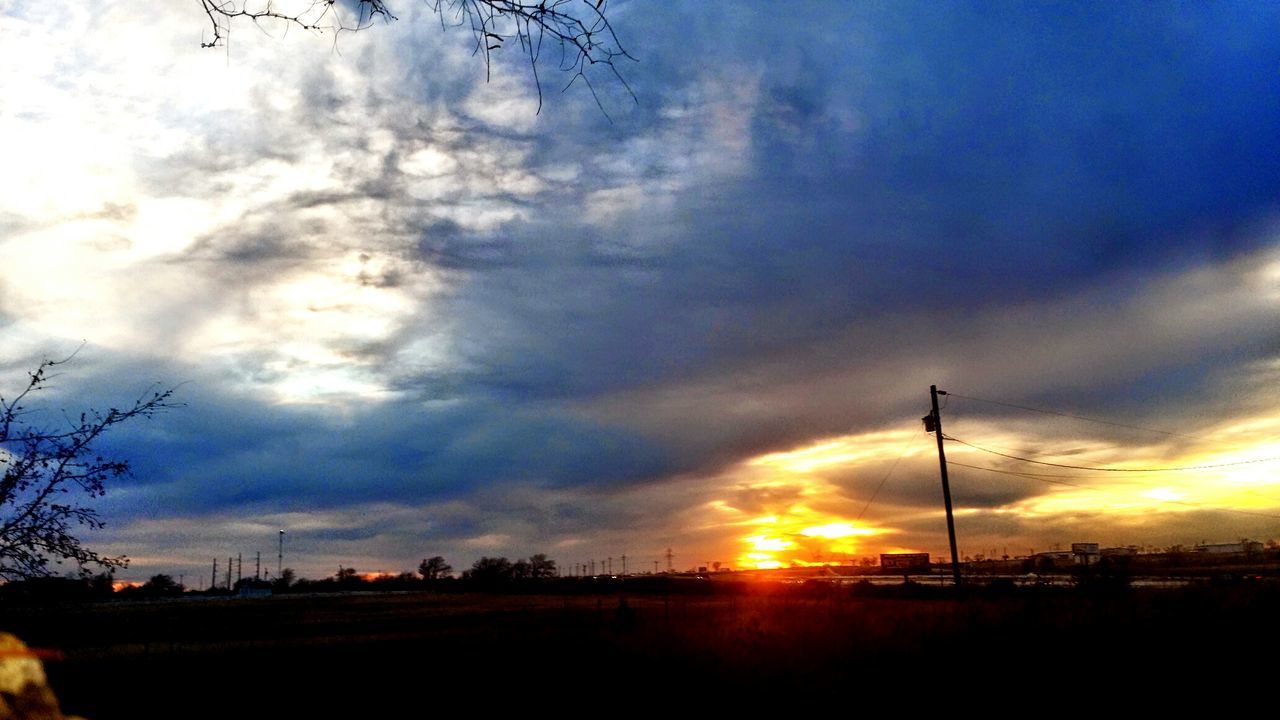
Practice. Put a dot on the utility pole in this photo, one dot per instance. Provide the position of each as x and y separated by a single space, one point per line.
669 556
624 565
280 557
239 566
933 424
229 559
257 568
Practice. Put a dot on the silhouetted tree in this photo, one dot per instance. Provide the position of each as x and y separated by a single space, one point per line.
540 566
286 579
490 571
434 568
48 470
578 32
161 585
104 583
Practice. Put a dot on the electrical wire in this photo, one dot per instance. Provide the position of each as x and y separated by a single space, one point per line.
1049 475
1073 417
1029 476
1111 469
1032 476
909 448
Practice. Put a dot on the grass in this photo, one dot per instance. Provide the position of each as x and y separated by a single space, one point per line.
378 655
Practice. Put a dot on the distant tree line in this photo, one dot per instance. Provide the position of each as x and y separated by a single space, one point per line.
491 571
434 573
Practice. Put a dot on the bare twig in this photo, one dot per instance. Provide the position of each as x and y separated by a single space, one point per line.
319 16
581 29
45 470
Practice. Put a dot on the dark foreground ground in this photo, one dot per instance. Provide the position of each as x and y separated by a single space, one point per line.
749 652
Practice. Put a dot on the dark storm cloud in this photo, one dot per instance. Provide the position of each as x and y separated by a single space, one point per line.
446 244
991 158
223 450
1102 361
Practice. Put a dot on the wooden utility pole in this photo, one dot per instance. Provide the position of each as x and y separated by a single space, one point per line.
933 423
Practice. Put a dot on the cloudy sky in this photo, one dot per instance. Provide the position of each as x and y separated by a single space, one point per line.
409 314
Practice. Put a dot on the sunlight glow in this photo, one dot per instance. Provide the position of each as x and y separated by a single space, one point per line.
835 530
765 543
316 322
794 514
1164 493
796 517
832 453
1219 481
798 543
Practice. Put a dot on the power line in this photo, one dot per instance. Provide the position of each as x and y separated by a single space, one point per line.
909 448
1028 476
1037 476
1111 469
1073 417
1044 479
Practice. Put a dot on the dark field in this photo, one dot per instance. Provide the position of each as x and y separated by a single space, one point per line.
746 648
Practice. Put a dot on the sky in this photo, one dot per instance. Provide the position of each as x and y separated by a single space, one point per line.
410 313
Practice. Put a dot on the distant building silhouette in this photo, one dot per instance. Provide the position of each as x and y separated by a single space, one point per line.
1243 547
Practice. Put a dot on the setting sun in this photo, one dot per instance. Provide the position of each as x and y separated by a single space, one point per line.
799 515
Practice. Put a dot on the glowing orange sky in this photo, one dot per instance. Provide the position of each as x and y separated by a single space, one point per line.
812 523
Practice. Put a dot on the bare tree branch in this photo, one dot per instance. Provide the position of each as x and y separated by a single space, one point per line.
47 472
579 29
